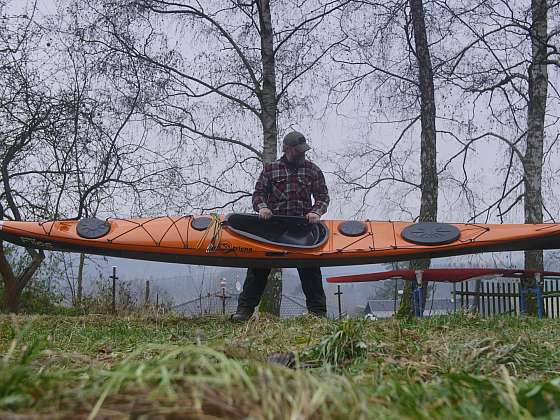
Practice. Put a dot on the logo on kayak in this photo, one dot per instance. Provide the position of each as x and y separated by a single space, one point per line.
430 233
227 247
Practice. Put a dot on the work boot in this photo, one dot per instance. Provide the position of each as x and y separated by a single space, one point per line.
242 314
318 314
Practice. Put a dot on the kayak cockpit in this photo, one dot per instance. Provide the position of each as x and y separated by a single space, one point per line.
289 231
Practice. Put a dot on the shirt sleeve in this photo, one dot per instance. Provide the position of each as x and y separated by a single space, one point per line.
320 194
262 189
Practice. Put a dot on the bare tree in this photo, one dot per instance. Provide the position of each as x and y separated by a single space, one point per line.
428 145
25 112
536 112
488 63
513 51
232 81
370 62
68 148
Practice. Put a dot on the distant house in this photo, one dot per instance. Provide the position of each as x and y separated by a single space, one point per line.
382 308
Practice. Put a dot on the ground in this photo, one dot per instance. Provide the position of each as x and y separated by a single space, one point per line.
456 366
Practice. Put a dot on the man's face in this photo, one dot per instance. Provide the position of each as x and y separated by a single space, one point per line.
292 154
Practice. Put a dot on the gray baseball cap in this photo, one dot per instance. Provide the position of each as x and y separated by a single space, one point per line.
297 140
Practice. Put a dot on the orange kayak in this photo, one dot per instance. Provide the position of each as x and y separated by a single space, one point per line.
242 240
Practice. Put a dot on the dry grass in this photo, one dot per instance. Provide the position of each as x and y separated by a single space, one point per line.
102 367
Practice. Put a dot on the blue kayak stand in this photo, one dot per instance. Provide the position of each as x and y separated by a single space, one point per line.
418 295
537 291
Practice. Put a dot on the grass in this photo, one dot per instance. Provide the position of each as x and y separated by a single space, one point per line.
456 366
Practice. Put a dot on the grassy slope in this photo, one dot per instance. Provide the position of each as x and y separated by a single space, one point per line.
455 367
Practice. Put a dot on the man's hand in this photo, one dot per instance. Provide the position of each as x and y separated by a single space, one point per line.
265 213
312 217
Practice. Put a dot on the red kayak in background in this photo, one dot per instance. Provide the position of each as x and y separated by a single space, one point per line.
450 275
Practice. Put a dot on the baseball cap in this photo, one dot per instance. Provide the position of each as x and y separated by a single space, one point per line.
297 140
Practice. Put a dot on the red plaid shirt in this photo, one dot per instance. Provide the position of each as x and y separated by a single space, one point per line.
287 191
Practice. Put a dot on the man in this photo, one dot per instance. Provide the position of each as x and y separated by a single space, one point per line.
285 187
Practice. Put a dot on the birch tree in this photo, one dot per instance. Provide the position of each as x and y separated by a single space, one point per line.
383 70
490 71
514 50
536 112
428 144
241 70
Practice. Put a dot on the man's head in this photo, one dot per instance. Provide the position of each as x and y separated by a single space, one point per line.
295 145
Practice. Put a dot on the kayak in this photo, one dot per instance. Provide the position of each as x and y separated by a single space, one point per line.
447 275
243 240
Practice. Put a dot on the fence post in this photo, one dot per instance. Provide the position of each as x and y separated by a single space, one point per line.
454 297
222 295
418 294
539 295
114 278
462 296
477 287
147 294
339 293
395 297
557 299
522 291
537 290
501 297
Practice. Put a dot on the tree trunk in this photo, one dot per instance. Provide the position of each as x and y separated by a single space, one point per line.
12 297
429 179
477 286
14 285
533 159
272 296
267 95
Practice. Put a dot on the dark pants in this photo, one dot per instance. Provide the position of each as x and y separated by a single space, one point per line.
311 283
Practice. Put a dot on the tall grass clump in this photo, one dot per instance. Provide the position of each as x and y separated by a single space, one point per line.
342 346
464 395
19 380
197 381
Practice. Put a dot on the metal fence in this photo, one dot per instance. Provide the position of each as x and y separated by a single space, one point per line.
213 304
386 308
487 297
492 297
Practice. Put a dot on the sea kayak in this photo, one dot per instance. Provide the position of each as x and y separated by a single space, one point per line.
242 240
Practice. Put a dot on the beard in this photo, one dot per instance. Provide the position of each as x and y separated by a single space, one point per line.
299 159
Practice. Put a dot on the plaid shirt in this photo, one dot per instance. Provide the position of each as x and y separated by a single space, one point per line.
287 191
